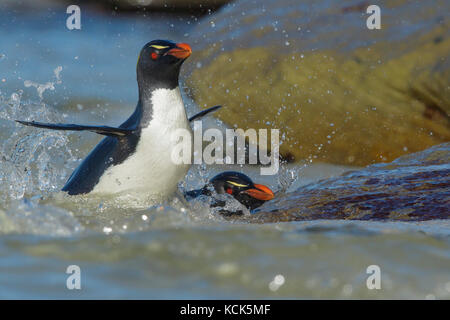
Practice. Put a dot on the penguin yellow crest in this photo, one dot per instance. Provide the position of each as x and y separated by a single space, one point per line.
237 184
158 47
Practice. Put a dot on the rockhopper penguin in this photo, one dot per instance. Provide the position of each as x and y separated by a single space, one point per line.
237 184
135 158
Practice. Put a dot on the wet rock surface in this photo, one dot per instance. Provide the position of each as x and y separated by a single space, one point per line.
414 187
339 92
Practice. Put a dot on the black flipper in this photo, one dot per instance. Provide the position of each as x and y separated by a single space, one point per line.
204 113
107 131
189 195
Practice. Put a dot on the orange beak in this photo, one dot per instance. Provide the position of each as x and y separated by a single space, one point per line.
182 51
260 192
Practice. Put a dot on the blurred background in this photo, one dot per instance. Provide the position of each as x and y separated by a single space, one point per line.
344 97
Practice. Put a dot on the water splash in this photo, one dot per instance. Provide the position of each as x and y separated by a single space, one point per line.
28 216
32 161
41 88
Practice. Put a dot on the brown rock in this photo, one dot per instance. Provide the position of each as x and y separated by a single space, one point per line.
338 92
412 188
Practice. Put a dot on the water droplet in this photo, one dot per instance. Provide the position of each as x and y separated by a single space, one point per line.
277 282
107 230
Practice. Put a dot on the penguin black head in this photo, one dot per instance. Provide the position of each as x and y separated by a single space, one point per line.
159 64
242 188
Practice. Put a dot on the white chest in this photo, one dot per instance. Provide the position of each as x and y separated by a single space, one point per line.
150 173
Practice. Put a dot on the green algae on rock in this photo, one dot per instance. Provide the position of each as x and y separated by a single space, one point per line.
339 93
414 187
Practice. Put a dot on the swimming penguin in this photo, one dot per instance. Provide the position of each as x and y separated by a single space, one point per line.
135 158
237 184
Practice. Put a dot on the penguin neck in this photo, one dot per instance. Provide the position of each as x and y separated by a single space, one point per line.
163 105
148 82
157 87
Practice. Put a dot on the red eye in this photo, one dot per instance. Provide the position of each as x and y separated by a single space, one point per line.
229 191
154 56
